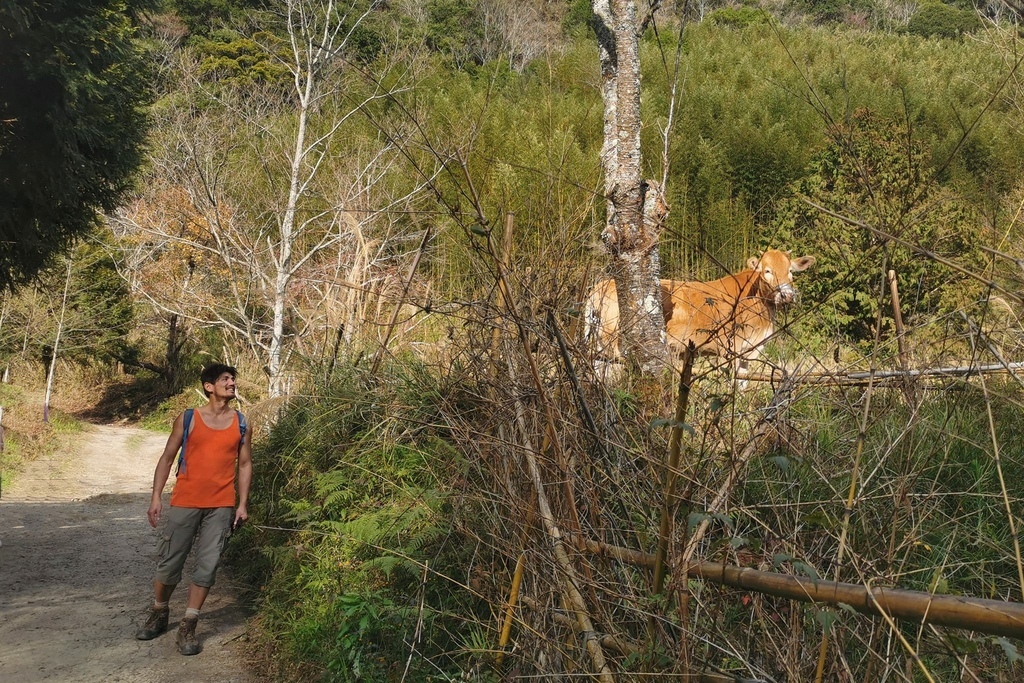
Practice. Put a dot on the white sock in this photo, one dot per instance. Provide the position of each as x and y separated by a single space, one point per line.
191 612
159 605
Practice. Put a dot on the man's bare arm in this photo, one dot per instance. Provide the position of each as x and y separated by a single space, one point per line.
244 480
163 468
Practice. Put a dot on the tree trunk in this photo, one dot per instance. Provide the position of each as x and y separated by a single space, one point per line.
275 363
171 372
56 343
636 208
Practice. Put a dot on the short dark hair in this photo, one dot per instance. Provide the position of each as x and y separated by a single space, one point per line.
212 372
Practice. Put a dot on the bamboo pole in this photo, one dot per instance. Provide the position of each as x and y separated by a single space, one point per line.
861 378
1002 483
754 446
897 315
995 617
851 493
505 296
513 597
573 595
504 258
584 625
914 657
570 371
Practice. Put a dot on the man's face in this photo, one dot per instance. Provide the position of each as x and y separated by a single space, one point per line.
224 387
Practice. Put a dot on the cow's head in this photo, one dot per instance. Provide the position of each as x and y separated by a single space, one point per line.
776 269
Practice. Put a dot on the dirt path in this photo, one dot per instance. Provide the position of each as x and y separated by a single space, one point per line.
76 566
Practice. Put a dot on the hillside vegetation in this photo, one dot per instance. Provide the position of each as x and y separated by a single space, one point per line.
388 217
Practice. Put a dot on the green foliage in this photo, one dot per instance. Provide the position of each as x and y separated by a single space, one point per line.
875 172
242 61
361 469
162 417
98 318
73 88
939 463
738 17
745 132
831 11
102 313
26 436
577 20
937 19
454 29
203 16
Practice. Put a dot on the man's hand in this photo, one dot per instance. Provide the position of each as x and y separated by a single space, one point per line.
155 507
241 514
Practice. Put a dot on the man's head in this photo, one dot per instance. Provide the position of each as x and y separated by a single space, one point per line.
213 373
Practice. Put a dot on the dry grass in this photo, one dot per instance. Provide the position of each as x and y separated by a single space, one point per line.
763 482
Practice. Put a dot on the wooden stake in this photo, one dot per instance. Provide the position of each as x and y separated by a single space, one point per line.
909 387
877 377
672 467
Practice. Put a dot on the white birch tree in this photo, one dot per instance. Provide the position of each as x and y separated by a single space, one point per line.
277 234
636 207
52 366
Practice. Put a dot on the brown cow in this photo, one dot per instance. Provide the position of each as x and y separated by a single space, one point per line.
730 318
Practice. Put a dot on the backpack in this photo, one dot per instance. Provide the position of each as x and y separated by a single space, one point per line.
187 424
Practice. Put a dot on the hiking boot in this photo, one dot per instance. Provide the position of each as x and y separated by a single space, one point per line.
187 643
155 624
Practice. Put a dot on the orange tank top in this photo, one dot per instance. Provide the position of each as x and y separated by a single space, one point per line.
208 481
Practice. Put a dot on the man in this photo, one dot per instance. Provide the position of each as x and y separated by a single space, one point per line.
202 511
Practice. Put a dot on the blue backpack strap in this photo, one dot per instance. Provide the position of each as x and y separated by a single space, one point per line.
186 423
243 427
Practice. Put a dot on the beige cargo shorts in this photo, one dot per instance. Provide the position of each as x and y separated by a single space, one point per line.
207 530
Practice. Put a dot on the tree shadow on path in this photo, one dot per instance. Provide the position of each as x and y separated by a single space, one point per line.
75 579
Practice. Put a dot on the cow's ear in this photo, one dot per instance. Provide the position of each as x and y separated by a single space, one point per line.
802 263
754 263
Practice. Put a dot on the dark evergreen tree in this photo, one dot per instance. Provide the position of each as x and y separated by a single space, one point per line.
73 92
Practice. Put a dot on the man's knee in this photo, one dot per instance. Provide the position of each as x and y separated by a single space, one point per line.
173 544
210 544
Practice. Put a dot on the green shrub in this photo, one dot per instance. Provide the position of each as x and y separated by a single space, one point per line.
831 11
231 58
876 174
360 471
738 17
935 19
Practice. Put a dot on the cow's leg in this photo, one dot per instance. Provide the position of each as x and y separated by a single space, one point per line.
741 369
